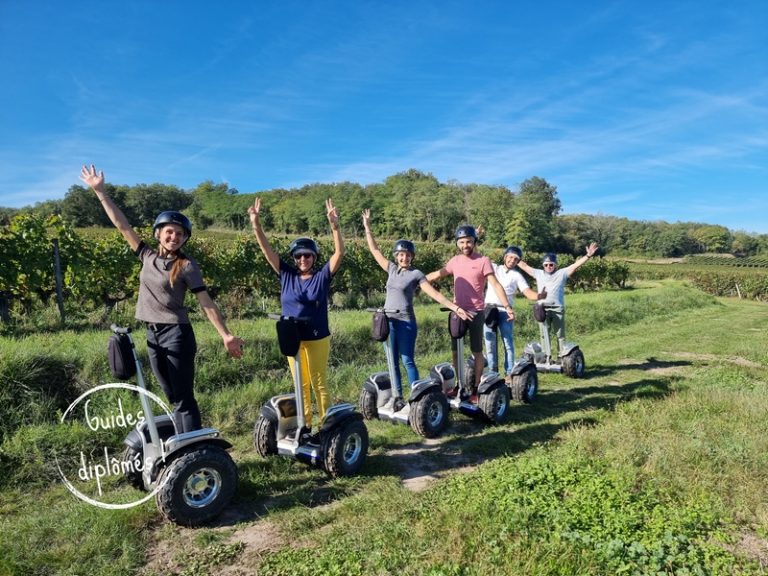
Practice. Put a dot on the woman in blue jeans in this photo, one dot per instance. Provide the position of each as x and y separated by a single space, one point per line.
402 282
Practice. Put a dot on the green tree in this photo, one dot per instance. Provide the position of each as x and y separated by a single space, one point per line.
490 207
533 224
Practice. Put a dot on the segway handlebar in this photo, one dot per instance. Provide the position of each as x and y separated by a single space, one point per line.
119 329
384 310
297 319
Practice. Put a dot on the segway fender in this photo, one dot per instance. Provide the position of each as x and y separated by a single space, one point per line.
378 382
423 386
489 381
338 414
523 365
133 440
165 429
567 349
268 412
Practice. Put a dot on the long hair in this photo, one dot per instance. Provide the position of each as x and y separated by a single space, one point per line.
178 264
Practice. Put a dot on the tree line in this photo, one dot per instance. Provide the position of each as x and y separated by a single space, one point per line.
413 205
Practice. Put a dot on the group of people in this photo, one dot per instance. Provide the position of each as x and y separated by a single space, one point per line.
479 286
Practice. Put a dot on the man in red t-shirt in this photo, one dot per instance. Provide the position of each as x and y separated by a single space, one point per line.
470 272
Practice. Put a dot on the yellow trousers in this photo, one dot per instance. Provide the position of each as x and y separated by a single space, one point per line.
313 356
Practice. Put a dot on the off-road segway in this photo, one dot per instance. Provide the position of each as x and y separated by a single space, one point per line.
489 401
524 383
341 446
193 474
426 410
570 358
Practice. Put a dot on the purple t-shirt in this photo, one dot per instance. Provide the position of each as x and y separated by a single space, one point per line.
306 298
469 274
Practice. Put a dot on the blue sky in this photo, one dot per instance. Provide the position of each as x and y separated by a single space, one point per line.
648 109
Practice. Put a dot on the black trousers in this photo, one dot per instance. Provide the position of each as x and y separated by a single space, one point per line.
172 349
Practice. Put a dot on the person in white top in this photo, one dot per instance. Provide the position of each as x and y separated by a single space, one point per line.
553 281
513 282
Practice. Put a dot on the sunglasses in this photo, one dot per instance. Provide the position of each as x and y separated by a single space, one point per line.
300 256
549 263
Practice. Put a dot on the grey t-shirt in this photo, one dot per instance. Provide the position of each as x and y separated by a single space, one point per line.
554 284
401 286
158 301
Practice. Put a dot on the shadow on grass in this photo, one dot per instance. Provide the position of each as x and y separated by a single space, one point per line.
472 442
649 364
280 483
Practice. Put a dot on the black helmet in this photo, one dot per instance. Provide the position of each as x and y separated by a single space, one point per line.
466 231
303 246
513 250
404 246
173 217
550 257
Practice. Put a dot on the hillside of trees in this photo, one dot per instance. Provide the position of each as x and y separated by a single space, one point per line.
414 205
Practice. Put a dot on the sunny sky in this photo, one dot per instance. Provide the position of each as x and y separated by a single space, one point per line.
647 109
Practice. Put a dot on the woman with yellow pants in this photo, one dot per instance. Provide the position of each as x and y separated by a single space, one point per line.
304 293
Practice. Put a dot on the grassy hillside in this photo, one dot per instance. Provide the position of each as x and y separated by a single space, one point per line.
656 462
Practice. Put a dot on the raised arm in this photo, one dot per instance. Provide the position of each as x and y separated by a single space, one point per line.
338 240
525 268
272 257
372 246
591 249
95 180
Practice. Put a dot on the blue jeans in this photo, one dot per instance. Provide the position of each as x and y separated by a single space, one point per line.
402 342
506 329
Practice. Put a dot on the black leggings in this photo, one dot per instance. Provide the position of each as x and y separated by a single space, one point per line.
172 349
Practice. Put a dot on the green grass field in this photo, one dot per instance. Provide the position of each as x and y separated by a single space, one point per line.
655 463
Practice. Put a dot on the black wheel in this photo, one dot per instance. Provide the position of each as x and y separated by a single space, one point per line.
196 486
495 403
134 462
346 448
367 403
429 415
573 364
265 437
525 386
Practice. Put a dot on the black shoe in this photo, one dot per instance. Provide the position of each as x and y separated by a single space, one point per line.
301 433
306 436
399 404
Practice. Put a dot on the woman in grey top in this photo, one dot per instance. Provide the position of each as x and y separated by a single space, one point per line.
402 282
166 275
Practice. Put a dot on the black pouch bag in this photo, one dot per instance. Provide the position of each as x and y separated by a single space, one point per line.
121 361
288 337
380 327
539 312
492 317
456 326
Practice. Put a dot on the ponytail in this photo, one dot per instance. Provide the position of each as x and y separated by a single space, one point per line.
178 264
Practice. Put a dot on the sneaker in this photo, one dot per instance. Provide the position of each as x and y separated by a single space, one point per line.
399 404
508 379
389 404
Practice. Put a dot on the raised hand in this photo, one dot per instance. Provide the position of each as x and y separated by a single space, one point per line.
93 178
254 211
333 214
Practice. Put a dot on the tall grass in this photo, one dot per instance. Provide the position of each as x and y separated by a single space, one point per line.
655 463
